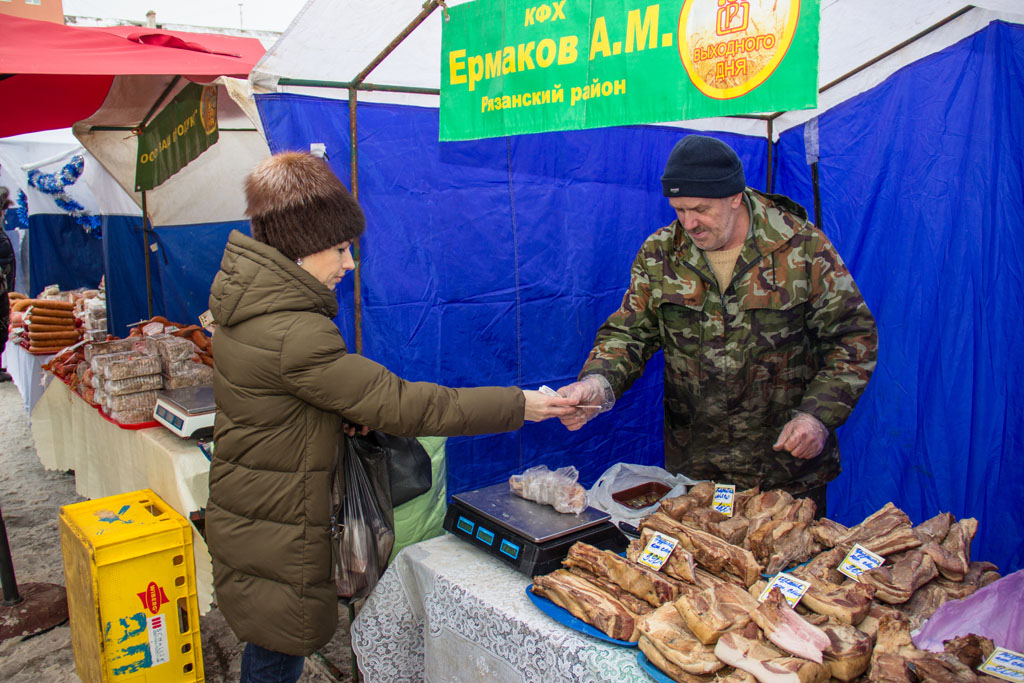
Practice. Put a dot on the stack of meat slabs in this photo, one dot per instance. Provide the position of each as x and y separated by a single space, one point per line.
707 613
47 325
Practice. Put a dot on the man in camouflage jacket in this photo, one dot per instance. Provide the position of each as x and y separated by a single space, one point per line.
761 366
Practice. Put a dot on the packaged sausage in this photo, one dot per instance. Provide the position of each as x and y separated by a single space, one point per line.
173 349
197 374
140 400
126 364
131 385
119 346
130 417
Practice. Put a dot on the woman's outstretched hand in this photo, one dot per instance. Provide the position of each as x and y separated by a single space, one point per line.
540 407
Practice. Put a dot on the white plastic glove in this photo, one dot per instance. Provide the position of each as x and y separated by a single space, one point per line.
592 395
804 436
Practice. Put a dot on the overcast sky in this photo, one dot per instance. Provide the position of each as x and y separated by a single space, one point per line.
253 15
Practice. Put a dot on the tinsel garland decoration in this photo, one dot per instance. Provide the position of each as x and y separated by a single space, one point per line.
54 184
22 209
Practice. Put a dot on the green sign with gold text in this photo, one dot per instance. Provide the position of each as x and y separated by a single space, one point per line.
182 131
512 67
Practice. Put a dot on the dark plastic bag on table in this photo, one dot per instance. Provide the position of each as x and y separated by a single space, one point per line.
362 527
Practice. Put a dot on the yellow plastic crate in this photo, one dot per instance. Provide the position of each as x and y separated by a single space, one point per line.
131 589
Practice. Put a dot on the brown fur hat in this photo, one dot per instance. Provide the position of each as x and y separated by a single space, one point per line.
298 206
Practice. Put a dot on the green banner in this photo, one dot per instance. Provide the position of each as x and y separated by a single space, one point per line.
511 67
182 131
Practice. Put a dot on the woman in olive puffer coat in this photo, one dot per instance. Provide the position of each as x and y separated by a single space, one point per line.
284 382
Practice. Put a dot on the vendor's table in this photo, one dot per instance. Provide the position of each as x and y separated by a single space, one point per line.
27 373
71 435
446 611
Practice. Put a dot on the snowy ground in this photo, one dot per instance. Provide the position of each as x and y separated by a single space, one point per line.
30 498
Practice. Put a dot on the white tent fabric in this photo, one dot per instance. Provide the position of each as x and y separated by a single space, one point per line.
334 40
207 190
48 151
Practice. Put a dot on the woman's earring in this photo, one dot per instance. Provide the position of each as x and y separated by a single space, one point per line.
298 262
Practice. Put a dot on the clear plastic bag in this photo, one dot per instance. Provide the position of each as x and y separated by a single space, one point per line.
362 527
126 364
103 348
557 489
623 476
131 417
172 350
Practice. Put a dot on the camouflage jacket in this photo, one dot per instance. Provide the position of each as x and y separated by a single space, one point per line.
790 333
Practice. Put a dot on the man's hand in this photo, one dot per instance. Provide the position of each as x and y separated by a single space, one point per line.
804 437
591 395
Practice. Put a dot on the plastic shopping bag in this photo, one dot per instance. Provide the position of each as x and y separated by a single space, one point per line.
622 476
995 611
362 527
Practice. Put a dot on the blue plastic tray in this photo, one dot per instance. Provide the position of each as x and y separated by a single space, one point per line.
565 618
652 671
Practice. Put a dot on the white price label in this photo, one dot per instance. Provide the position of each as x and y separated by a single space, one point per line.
722 502
791 587
858 561
1005 664
657 551
156 629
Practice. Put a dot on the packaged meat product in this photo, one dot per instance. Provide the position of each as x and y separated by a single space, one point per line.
173 349
98 396
118 346
197 374
124 403
131 385
126 364
557 489
131 417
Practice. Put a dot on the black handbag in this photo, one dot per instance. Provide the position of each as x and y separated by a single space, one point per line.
409 470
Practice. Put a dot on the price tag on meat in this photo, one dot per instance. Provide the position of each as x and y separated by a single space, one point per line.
791 588
725 494
657 551
858 561
1005 664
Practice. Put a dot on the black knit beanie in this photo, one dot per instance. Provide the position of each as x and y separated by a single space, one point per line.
699 166
297 205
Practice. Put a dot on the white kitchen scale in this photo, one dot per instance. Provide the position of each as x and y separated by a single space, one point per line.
188 412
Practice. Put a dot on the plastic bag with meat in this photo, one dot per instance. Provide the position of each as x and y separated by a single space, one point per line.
557 489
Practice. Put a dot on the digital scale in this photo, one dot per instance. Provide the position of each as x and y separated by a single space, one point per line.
532 537
188 412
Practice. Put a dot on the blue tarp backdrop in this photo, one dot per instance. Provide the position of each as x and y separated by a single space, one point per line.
494 262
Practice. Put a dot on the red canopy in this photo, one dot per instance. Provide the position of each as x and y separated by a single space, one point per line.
54 75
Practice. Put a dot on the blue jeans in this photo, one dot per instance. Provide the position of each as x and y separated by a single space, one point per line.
260 665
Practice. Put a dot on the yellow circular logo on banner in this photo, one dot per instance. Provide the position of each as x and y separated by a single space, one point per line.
729 47
208 108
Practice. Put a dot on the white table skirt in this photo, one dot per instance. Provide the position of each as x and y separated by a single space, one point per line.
27 373
447 612
70 434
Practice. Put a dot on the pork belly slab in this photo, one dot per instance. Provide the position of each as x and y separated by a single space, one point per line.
639 580
713 611
849 650
744 650
787 630
586 601
886 532
895 583
709 551
665 632
679 565
953 557
781 542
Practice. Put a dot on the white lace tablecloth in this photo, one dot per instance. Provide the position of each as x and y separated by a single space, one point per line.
446 612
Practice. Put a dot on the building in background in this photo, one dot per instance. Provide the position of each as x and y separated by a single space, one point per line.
40 10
